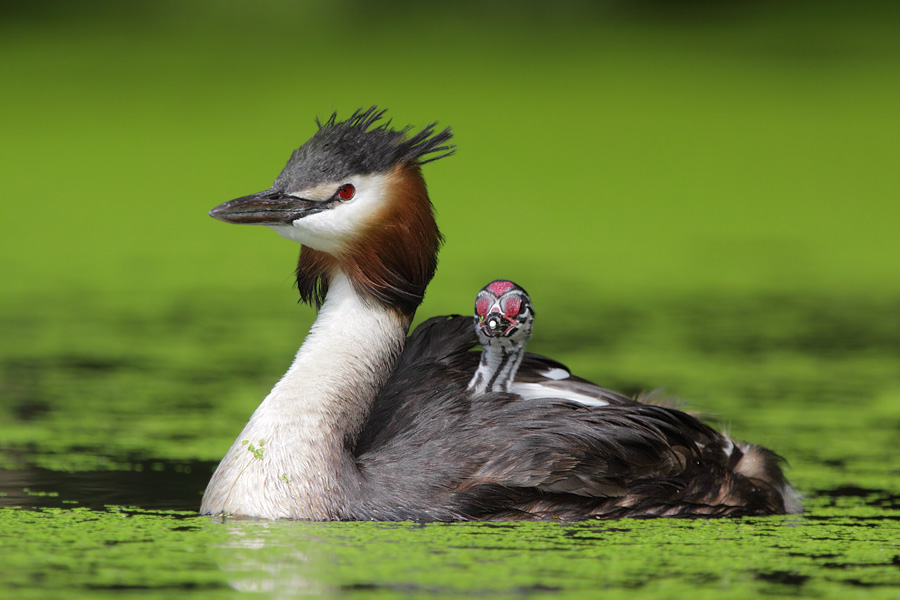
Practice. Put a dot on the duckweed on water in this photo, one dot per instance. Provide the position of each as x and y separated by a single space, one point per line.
781 394
750 556
85 553
82 552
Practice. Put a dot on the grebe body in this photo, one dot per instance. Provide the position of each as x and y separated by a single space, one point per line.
369 424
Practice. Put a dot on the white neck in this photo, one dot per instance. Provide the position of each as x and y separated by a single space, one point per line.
292 458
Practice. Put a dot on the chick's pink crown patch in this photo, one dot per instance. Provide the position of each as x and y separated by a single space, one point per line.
501 286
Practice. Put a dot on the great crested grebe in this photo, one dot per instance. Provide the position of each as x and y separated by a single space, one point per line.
369 425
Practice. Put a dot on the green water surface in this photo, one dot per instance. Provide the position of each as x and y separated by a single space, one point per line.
699 197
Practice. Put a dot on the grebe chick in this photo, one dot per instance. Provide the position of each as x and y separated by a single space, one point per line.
503 321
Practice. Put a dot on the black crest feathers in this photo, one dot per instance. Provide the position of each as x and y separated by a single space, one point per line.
403 149
360 146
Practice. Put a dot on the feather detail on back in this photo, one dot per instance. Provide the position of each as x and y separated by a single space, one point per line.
503 457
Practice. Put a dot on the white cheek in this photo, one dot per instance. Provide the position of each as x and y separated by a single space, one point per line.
326 231
332 229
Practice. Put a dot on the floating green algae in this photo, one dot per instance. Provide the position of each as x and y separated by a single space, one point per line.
80 553
830 553
831 407
833 411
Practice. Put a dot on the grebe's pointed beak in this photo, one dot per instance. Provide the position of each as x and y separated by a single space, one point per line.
270 207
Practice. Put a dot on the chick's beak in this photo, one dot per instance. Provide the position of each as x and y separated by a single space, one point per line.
497 324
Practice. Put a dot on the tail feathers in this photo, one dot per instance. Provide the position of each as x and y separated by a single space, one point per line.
763 468
753 476
733 479
730 480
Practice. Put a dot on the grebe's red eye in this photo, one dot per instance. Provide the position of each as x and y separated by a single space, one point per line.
346 191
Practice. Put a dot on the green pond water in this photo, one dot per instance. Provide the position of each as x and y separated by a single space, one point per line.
112 445
699 197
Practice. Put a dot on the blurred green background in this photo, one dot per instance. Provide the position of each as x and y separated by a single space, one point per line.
612 148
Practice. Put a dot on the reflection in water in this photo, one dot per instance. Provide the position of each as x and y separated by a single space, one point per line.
259 557
150 485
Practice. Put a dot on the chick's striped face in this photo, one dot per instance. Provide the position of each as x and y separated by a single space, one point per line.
501 308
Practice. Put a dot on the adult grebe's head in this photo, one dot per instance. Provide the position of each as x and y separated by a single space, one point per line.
353 195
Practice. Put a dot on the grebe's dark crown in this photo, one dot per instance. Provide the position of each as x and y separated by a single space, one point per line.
360 146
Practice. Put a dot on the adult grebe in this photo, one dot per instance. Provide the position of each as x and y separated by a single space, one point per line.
368 425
